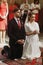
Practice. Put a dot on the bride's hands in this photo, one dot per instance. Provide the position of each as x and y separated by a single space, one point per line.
35 32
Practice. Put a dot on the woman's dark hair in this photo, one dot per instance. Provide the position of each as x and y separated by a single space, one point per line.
29 16
36 1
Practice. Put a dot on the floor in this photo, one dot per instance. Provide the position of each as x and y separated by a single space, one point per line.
4 61
23 62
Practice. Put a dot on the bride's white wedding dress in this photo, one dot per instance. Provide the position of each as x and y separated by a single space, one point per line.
32 44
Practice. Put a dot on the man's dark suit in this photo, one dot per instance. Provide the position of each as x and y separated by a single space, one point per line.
15 34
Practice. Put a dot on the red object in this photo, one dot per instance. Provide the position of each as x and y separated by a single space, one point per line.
33 62
36 17
19 24
3 12
11 14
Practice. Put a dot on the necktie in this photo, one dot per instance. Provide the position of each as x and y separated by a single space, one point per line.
19 24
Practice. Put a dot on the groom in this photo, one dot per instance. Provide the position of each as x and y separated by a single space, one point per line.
16 33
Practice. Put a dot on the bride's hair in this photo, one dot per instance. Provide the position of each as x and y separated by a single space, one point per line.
31 15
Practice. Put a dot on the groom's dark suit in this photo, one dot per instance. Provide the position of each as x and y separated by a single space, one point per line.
15 33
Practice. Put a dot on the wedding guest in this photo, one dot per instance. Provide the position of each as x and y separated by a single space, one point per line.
35 7
25 10
12 6
3 20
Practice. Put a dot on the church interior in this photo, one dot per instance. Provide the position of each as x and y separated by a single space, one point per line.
19 2
3 60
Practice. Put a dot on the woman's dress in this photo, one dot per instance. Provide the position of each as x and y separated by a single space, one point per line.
32 44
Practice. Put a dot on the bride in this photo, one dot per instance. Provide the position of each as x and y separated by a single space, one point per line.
32 44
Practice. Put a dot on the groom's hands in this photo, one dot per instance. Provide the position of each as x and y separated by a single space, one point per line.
21 41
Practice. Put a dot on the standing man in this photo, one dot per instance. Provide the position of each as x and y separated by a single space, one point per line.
16 33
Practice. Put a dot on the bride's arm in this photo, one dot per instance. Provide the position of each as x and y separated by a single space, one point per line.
37 28
31 33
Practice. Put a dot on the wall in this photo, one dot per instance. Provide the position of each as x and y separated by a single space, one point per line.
41 2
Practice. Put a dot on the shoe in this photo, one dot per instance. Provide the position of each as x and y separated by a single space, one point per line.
15 59
23 58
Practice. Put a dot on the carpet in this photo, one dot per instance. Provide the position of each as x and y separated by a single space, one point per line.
2 63
21 61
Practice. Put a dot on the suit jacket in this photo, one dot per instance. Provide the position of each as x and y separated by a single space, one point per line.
14 32
23 17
